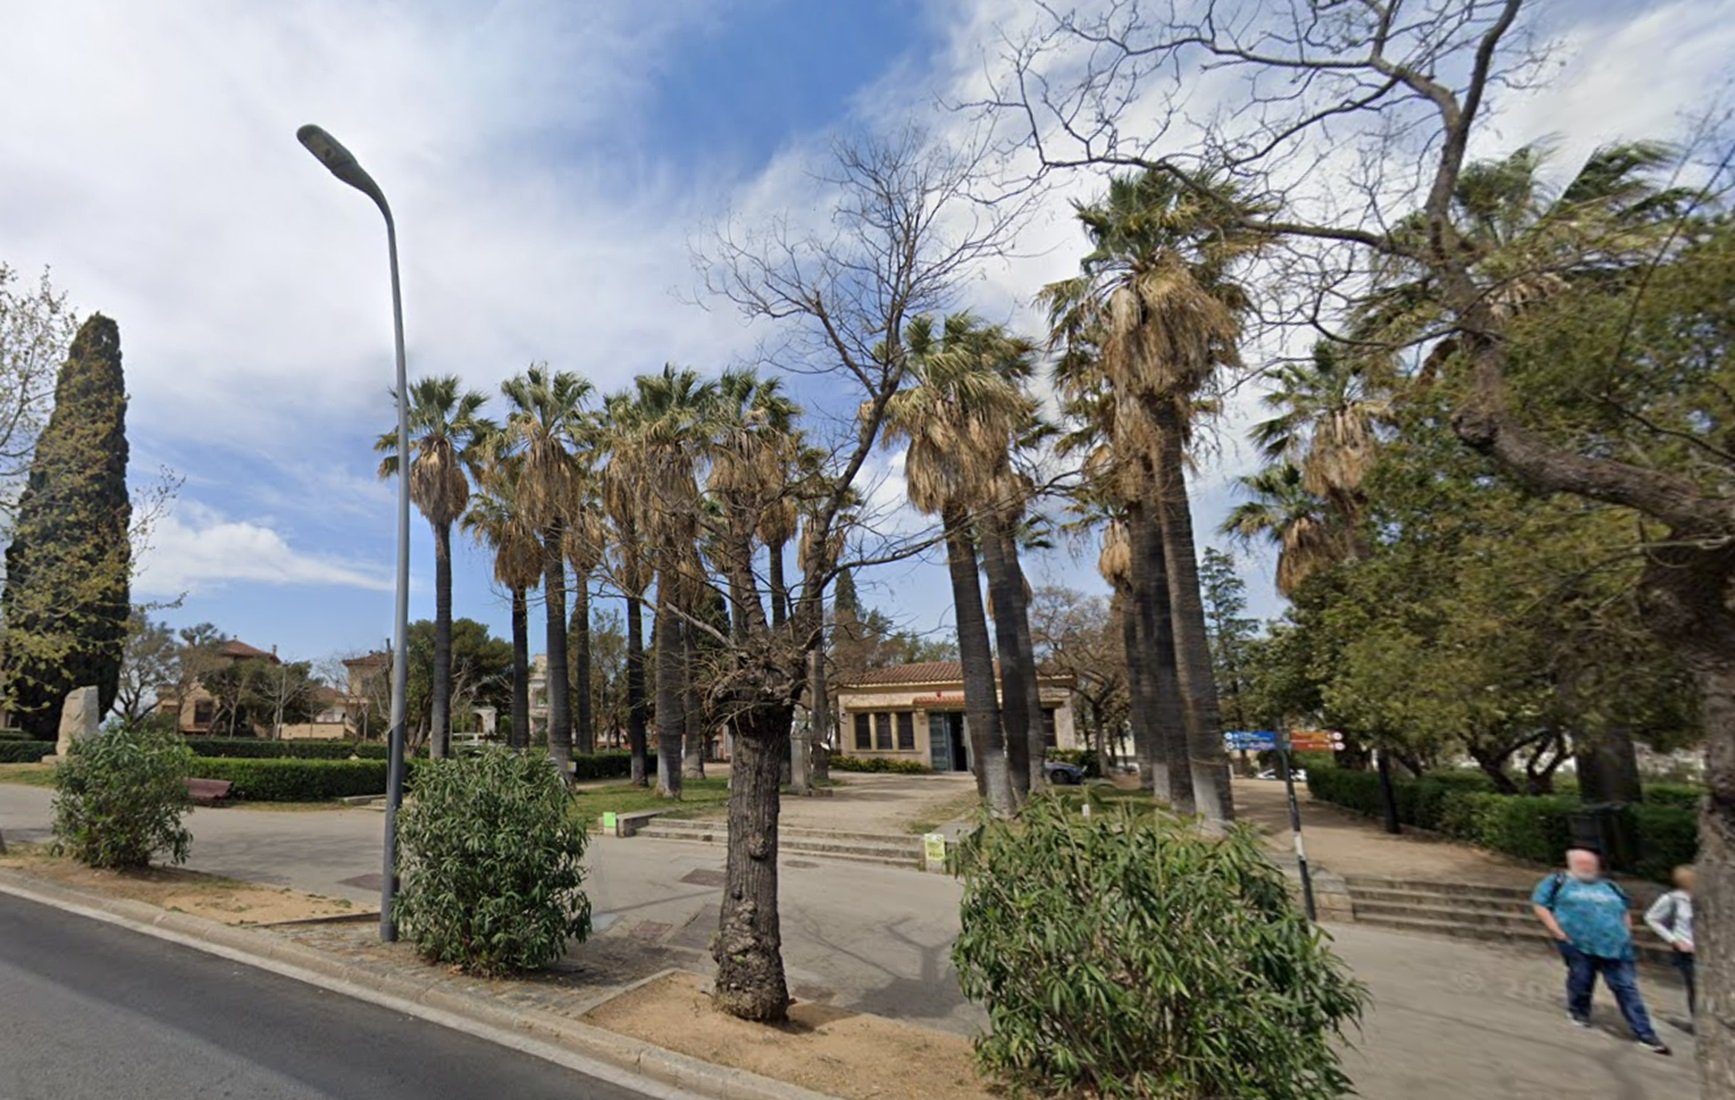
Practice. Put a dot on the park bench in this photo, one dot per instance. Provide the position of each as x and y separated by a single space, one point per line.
208 792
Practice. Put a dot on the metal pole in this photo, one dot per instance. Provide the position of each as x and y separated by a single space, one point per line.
401 618
1295 824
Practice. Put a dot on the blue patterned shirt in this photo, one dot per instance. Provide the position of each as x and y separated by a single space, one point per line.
1592 914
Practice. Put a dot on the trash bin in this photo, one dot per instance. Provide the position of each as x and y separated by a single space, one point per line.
1607 828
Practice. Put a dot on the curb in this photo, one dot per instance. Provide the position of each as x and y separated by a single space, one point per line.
619 1060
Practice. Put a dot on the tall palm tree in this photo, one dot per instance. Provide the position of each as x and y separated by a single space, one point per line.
545 426
494 520
1308 535
1157 296
622 501
958 419
586 545
1003 524
446 424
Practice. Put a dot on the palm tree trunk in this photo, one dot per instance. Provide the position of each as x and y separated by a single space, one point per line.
636 691
584 711
1207 762
671 721
1157 641
554 605
1020 612
519 736
1014 700
440 691
779 589
748 947
697 733
1147 750
819 729
982 714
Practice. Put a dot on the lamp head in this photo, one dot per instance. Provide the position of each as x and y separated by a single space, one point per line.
338 160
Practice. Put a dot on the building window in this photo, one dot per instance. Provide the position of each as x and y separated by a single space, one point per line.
1048 726
863 739
883 731
202 712
906 731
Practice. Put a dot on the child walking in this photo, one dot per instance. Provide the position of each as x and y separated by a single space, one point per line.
1671 918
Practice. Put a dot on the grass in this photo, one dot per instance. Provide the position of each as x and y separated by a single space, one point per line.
30 775
624 798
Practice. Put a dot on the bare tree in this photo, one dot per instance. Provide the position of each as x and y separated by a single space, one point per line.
904 231
1356 120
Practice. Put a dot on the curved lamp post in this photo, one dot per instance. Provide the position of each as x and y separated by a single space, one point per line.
342 164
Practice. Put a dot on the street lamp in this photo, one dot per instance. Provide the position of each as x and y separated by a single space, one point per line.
342 164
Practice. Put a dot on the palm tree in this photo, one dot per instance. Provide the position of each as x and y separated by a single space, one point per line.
495 521
445 426
1156 304
959 418
1004 526
586 545
622 502
1308 535
546 426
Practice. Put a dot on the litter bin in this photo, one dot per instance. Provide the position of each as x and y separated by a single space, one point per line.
1605 827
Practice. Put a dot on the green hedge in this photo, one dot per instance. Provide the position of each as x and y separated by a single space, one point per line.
255 748
610 764
8 734
1463 805
267 780
879 764
24 752
1684 795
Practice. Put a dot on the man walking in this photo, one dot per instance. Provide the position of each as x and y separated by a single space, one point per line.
1590 920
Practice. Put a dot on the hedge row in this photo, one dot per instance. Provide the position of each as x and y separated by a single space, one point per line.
255 748
878 764
1536 828
609 764
281 780
9 734
24 752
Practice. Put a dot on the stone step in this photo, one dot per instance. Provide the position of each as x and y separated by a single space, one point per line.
1425 898
1491 917
1649 951
709 826
885 855
1356 883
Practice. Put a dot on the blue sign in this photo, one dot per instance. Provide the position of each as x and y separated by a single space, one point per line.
1250 740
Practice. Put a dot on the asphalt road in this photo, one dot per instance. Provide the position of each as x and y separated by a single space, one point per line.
91 1010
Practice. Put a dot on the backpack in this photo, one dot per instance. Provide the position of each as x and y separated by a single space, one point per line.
1558 879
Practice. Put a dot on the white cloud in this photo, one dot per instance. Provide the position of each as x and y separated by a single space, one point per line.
195 548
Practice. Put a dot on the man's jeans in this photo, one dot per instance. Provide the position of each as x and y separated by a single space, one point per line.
1684 963
1620 976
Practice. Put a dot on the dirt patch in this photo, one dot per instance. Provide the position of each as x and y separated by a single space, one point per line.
210 896
826 1049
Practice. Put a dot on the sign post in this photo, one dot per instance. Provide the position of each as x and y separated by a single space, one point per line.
1295 825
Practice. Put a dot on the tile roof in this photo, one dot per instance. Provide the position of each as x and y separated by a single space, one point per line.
241 651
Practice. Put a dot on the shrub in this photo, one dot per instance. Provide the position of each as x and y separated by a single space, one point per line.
295 780
254 748
879 764
24 752
121 797
609 765
492 866
1085 939
1684 795
9 734
1668 837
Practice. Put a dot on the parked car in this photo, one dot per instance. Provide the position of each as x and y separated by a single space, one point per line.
1061 774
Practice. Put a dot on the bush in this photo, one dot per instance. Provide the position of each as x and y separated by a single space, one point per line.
879 764
609 765
121 797
1668 837
1684 795
492 866
295 780
254 748
1086 940
9 734
24 752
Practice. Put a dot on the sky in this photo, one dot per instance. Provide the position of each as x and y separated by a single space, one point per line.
549 164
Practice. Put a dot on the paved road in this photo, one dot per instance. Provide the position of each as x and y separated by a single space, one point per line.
94 1010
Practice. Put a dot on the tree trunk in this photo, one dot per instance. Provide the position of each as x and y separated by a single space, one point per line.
1156 622
554 605
636 692
671 716
1608 768
1206 760
1714 899
1015 717
980 709
697 733
1020 611
1147 748
779 587
440 691
519 737
750 982
584 710
819 732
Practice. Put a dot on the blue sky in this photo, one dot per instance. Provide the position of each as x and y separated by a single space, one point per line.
549 163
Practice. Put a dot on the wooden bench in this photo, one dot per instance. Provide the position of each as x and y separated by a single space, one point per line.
208 792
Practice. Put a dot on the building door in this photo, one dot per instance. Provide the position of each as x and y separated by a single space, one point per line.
960 743
939 742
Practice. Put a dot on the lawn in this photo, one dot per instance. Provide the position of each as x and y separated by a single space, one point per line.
31 775
624 798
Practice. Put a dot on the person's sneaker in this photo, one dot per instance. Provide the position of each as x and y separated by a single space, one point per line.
1581 1021
1655 1046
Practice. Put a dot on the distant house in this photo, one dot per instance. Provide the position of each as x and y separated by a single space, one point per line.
195 709
916 712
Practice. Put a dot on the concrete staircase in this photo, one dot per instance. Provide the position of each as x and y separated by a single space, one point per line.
886 849
1477 911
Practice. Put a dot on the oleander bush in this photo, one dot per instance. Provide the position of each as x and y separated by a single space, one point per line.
24 752
1126 955
120 798
492 865
287 780
879 764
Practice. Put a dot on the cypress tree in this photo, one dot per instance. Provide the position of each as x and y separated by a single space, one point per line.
69 565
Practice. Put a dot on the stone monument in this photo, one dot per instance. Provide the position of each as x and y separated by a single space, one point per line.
78 718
